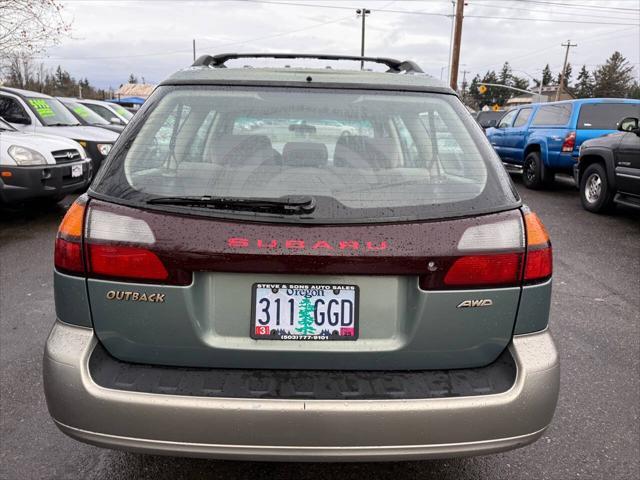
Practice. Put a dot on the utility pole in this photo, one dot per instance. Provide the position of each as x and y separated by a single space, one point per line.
79 90
464 83
564 67
453 21
457 39
363 12
194 50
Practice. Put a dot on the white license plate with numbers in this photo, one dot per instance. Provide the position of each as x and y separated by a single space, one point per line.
304 312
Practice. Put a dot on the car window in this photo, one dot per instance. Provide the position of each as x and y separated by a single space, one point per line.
123 112
605 116
51 111
11 110
507 119
553 115
364 155
84 113
522 118
104 112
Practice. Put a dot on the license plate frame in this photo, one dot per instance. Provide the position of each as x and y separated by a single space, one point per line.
76 171
355 330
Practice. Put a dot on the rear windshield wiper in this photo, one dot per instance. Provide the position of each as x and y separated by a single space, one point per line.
291 205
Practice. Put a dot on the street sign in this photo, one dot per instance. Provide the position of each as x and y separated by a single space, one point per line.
495 108
482 89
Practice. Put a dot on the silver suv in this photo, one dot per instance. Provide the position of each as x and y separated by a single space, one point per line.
302 264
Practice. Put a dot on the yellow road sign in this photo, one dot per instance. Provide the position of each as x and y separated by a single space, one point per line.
482 89
496 108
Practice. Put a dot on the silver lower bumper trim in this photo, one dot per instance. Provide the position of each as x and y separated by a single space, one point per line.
313 430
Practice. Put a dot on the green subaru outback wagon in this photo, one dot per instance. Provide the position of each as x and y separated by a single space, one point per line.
302 264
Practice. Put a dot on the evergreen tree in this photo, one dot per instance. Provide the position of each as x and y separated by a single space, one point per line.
634 91
132 78
519 82
547 77
305 314
505 74
584 84
614 78
567 76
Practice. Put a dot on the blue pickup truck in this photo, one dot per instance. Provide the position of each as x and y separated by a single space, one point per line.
543 139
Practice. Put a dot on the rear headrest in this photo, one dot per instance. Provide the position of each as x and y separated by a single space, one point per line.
305 154
228 147
359 151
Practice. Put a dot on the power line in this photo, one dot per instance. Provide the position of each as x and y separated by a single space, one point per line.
206 47
413 12
518 9
581 5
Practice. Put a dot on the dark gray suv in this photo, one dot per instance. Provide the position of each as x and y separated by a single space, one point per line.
302 264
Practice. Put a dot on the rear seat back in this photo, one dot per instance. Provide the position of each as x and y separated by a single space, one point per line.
305 154
242 149
359 151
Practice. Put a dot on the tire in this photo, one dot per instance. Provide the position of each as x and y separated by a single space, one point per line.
534 174
596 194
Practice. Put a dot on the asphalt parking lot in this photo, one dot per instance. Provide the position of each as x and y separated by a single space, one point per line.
595 320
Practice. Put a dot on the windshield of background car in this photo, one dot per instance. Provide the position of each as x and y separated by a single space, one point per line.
362 155
50 111
605 116
89 116
123 112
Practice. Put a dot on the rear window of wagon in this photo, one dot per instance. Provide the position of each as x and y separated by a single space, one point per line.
364 156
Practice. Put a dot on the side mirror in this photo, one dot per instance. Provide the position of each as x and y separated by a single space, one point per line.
115 121
19 119
628 124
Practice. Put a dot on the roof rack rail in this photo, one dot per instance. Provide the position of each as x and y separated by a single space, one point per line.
395 66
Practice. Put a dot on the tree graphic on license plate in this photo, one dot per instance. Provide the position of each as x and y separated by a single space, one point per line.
305 314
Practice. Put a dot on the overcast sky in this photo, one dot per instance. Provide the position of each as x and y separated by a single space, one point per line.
152 38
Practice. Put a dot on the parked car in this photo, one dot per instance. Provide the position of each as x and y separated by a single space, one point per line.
111 112
608 169
86 116
222 294
489 119
39 166
543 139
38 113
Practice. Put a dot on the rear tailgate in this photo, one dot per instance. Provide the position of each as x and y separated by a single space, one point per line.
409 317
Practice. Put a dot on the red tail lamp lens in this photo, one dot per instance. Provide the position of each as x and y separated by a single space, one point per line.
68 256
539 266
569 142
68 248
485 270
126 262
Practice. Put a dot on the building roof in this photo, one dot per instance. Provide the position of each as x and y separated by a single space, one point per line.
142 90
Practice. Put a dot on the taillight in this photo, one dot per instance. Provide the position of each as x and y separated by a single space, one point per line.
122 247
485 270
68 256
539 260
569 142
491 255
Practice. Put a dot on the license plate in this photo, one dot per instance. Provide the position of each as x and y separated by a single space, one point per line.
76 171
304 312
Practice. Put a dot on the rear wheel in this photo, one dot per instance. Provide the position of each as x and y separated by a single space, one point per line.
534 174
595 192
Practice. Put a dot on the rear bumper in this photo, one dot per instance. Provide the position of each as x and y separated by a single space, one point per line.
307 430
24 183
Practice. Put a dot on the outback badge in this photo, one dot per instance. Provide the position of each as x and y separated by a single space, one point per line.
485 302
135 296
